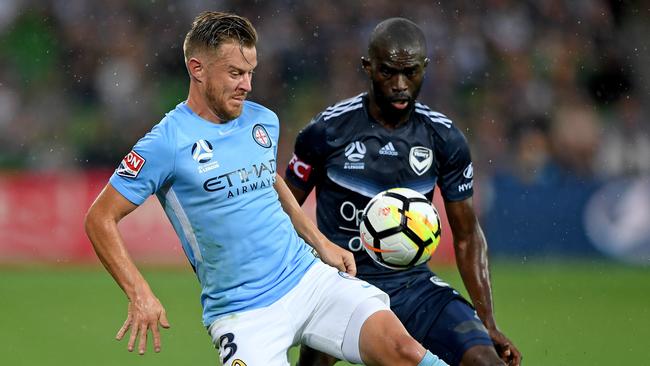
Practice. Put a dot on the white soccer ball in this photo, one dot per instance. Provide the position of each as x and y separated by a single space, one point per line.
400 228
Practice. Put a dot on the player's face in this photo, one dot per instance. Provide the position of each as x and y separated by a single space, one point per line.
229 79
396 77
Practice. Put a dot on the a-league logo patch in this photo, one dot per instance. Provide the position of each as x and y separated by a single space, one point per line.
261 136
420 159
355 151
130 165
202 151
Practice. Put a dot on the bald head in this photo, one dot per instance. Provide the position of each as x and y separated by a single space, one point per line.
397 34
395 64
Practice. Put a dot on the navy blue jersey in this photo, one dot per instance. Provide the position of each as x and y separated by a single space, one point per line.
349 157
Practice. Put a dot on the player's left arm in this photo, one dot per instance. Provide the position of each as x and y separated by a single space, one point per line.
471 258
329 252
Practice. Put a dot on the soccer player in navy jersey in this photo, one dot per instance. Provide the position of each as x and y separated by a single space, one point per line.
384 139
211 162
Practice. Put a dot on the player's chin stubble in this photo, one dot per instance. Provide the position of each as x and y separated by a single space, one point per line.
220 107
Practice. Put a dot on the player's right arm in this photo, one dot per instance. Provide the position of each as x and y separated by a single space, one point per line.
145 312
470 247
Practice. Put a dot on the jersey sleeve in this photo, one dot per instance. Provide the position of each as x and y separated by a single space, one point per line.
308 161
456 174
148 166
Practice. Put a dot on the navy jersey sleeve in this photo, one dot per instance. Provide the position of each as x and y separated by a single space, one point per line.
456 174
308 162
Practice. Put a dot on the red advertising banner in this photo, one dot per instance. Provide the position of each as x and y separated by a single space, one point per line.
42 215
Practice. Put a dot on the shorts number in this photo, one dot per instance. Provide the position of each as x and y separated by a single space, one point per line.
228 346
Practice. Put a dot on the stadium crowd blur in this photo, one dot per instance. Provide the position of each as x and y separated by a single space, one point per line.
550 94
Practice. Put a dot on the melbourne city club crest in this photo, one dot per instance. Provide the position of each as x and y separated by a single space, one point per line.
420 159
261 136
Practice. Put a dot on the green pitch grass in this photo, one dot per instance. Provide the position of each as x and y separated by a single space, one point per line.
580 313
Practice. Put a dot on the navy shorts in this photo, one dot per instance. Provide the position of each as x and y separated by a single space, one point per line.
436 315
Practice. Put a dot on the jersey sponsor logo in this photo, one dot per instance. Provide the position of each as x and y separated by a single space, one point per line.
388 149
420 159
465 186
301 169
469 172
355 152
353 216
202 151
130 165
243 180
261 136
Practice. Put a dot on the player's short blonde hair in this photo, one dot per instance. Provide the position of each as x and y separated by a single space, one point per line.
210 29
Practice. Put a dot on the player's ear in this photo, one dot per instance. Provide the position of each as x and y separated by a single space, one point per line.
366 65
195 68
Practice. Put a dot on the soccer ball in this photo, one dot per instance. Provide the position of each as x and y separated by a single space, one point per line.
400 228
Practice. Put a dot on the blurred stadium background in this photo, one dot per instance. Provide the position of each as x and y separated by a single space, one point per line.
552 95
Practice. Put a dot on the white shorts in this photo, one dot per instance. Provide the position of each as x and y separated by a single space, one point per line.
316 312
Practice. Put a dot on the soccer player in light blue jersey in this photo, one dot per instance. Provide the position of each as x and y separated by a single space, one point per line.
211 162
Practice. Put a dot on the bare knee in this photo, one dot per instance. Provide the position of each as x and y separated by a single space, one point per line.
481 356
408 349
385 341
397 350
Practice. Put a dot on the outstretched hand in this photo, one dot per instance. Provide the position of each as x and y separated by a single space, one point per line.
144 315
339 258
505 348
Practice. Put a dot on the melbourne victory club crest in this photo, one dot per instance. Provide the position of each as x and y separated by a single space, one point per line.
261 136
420 159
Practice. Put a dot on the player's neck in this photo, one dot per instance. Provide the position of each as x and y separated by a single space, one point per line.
387 121
198 104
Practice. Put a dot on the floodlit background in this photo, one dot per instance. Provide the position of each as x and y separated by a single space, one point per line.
552 95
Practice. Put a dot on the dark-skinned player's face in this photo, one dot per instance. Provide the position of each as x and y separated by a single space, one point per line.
396 76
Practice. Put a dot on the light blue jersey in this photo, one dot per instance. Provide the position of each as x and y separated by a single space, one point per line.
215 183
